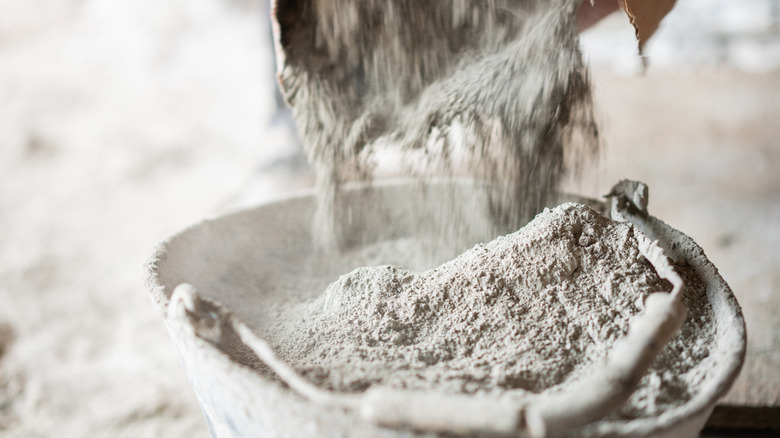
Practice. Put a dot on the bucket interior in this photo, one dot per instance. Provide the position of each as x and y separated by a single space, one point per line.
255 261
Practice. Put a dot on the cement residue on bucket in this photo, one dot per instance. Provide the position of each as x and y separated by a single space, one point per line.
526 313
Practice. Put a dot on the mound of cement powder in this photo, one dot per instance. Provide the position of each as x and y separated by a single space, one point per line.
525 312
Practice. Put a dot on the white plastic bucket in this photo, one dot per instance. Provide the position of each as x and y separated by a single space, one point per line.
226 270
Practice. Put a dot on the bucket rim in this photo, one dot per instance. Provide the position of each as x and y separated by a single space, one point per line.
682 248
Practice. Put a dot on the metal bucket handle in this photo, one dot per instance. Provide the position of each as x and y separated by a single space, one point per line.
585 401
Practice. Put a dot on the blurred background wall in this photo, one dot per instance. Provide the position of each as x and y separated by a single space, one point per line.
698 34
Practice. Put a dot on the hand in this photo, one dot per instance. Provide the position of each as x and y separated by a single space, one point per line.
588 14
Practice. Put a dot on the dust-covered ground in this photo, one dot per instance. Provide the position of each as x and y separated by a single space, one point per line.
122 121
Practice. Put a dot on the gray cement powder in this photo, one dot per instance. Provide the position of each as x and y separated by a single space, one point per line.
515 317
495 91
492 90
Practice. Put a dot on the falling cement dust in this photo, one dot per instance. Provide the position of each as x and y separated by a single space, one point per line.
496 92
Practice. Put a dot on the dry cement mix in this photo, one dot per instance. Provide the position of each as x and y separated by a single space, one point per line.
492 90
495 91
526 313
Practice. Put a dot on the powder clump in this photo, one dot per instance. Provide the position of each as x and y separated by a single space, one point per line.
519 315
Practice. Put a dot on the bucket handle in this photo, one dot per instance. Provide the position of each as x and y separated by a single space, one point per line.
585 401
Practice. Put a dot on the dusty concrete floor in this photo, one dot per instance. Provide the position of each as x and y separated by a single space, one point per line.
115 132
